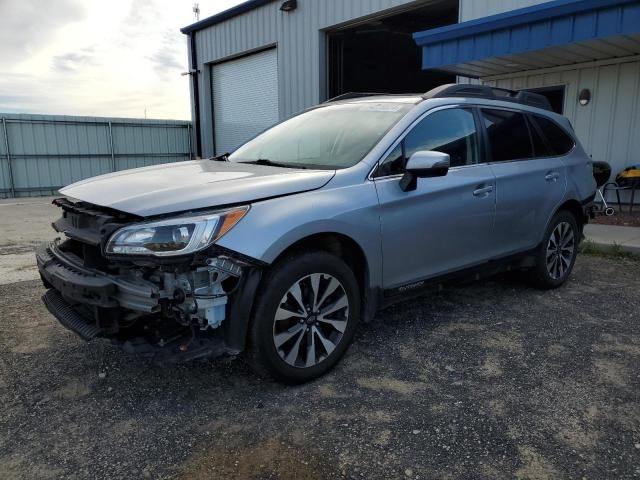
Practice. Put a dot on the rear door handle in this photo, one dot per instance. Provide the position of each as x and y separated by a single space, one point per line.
552 176
483 191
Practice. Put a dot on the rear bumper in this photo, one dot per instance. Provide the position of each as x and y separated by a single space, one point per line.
78 284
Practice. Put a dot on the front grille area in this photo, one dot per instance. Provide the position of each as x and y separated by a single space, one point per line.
89 255
88 223
86 228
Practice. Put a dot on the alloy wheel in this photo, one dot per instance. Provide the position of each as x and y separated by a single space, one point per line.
311 320
560 250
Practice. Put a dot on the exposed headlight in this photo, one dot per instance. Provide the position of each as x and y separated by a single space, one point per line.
175 236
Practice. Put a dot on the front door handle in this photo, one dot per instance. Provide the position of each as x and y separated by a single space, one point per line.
483 191
552 176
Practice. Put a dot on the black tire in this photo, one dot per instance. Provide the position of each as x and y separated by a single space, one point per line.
546 274
276 286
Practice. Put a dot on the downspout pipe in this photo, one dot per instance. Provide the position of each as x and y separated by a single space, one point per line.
196 93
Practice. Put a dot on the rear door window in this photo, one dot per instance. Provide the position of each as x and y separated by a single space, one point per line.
560 143
508 135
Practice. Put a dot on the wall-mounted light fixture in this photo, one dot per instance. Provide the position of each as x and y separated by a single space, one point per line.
289 6
584 97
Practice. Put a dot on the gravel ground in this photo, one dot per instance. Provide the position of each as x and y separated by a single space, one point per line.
26 222
492 380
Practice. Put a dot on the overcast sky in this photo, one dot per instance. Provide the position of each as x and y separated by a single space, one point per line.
97 57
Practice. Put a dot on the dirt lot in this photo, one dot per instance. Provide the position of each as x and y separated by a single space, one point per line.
622 219
24 223
492 380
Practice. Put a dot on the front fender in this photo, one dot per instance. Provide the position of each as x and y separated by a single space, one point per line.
272 226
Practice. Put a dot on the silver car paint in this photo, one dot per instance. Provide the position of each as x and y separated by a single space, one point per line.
437 228
272 226
438 235
178 187
377 215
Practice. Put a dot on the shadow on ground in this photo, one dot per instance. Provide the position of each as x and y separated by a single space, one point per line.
492 380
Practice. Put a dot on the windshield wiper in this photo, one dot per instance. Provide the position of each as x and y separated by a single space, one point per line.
221 158
271 163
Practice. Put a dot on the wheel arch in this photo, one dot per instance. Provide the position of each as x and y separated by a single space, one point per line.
575 208
339 244
572 206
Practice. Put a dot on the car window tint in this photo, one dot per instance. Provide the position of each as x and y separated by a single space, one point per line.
540 146
393 164
508 135
451 131
558 140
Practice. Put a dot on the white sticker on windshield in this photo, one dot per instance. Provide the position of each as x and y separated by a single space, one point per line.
381 107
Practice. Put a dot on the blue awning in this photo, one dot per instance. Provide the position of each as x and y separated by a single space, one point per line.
559 32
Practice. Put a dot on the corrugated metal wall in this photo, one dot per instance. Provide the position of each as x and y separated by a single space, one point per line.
472 9
609 126
300 39
46 152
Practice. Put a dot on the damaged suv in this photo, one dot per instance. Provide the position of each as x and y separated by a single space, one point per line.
280 248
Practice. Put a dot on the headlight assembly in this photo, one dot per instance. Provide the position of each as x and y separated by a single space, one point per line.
174 236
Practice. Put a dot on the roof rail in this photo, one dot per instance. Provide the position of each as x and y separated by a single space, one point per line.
492 93
350 95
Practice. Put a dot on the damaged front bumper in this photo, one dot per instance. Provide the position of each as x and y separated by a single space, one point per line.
173 314
66 274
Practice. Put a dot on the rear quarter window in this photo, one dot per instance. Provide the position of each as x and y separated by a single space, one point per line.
558 141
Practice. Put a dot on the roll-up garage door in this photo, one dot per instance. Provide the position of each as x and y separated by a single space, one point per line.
245 98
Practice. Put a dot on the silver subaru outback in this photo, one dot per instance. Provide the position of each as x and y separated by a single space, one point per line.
281 248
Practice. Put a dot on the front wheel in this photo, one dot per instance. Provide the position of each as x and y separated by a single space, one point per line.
305 317
557 253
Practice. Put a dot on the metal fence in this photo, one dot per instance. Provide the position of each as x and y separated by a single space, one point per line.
40 154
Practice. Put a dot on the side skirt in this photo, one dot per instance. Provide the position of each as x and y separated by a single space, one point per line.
420 287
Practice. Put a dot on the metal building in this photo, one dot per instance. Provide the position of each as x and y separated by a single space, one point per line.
39 154
267 59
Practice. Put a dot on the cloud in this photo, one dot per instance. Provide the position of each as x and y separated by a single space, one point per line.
96 57
170 57
26 26
72 61
166 60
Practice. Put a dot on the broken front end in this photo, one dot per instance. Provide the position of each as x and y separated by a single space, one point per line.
158 287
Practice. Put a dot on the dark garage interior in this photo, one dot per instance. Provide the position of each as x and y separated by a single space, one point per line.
380 56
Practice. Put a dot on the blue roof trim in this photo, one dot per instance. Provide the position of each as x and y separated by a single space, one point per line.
554 23
225 15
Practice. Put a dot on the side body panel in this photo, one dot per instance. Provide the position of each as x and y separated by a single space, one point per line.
581 185
528 192
272 226
440 227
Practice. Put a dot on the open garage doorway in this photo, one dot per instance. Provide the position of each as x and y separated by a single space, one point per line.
555 95
380 56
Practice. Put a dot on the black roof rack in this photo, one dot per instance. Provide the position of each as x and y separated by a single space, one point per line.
491 93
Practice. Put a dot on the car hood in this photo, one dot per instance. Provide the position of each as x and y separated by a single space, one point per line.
178 187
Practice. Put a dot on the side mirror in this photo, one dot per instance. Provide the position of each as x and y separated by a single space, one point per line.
424 164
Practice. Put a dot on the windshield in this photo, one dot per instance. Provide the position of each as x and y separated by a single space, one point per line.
330 137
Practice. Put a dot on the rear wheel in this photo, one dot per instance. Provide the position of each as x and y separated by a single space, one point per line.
305 318
557 253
